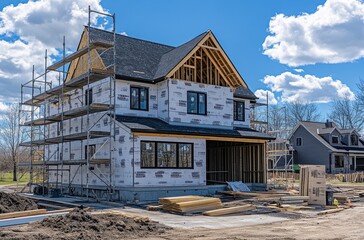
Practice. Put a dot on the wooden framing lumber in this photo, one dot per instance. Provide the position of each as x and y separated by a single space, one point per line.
22 214
209 67
171 200
229 210
330 211
194 206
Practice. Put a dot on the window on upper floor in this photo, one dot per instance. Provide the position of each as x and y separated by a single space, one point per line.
298 141
139 98
88 96
166 155
196 103
90 151
335 139
239 111
354 139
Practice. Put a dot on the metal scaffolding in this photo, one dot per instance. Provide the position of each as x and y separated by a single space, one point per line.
279 152
39 96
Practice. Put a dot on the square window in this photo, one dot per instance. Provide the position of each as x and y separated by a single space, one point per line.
196 103
167 155
335 139
139 98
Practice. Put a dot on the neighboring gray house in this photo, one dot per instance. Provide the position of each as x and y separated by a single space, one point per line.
324 143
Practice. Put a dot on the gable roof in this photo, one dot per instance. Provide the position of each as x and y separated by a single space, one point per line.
149 62
170 59
317 129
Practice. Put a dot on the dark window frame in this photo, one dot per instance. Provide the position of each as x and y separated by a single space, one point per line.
197 104
139 102
177 155
340 159
88 96
300 142
92 147
236 117
355 138
332 139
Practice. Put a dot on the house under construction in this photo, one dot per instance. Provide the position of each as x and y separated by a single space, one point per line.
136 120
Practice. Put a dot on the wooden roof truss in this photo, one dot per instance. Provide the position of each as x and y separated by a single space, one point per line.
208 64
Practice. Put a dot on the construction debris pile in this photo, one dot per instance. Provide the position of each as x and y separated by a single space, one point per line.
11 202
81 224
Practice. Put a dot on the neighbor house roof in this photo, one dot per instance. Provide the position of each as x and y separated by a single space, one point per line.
320 128
155 125
146 61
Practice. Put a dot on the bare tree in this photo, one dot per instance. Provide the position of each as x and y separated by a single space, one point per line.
11 135
298 112
277 120
347 114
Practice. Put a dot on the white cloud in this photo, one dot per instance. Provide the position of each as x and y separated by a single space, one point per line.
299 70
332 34
308 88
262 95
27 29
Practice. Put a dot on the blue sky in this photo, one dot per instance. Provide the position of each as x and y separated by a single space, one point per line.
327 50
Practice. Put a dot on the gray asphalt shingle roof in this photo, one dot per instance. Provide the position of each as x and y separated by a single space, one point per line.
147 61
155 125
319 128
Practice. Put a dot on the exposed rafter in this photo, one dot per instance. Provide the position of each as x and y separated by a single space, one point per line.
208 63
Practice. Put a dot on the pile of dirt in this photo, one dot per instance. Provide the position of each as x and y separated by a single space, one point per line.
11 202
80 224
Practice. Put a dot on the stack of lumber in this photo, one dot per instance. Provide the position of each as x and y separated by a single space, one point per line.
230 210
171 200
294 200
190 204
255 194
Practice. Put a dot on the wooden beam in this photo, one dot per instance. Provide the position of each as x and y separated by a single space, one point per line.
218 68
212 48
212 138
189 66
22 213
188 56
222 52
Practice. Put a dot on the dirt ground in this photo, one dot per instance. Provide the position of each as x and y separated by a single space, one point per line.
11 202
347 224
80 224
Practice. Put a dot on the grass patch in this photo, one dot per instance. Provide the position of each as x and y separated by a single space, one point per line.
7 178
